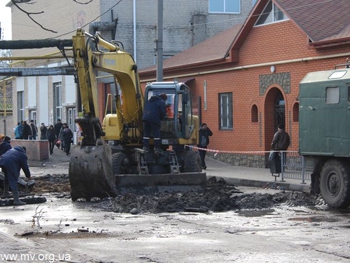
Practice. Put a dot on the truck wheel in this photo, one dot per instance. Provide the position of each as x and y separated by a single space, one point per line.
192 162
335 184
118 164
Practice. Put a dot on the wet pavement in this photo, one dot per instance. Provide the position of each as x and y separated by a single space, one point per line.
80 232
236 175
87 232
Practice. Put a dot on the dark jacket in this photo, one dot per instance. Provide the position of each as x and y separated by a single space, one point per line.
67 135
51 134
14 160
58 127
281 140
27 131
204 137
4 147
43 133
154 110
34 129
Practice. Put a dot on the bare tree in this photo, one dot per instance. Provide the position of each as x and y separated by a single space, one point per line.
5 53
32 14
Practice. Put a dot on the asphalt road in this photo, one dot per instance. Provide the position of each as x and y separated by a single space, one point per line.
64 231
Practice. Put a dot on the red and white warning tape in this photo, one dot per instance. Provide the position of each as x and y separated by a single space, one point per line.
236 152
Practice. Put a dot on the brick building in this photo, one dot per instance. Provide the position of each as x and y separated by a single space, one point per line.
248 76
48 98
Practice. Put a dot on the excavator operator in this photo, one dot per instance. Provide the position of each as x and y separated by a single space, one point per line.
155 111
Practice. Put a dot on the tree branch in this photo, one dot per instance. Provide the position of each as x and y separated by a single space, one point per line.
29 14
80 3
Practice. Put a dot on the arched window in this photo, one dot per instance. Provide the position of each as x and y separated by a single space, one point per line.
296 112
254 113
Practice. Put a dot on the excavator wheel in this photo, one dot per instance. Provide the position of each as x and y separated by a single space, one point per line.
192 162
90 172
118 163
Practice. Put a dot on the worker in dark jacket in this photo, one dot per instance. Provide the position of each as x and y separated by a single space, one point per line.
4 144
153 114
11 164
204 133
51 136
58 127
281 139
281 142
27 131
67 137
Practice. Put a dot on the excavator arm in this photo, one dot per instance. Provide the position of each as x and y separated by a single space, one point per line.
93 54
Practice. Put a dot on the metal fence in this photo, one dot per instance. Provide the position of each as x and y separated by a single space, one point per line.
294 167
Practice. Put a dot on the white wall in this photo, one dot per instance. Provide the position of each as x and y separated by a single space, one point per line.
31 82
43 113
70 90
20 84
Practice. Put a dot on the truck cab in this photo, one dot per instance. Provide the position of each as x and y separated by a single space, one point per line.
324 133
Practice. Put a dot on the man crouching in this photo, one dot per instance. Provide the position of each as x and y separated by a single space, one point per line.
11 164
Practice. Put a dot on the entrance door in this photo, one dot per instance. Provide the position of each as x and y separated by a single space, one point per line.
274 115
279 110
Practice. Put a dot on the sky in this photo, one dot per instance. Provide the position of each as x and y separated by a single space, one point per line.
5 19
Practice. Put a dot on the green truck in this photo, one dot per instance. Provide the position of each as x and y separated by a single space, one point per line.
324 133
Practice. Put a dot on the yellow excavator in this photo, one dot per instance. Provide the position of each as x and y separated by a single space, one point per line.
110 160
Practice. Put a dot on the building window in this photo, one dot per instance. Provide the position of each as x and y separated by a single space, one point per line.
332 95
57 100
296 112
271 14
225 110
254 113
225 6
20 106
32 116
71 114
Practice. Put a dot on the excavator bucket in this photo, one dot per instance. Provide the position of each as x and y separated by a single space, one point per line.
95 172
90 172
157 174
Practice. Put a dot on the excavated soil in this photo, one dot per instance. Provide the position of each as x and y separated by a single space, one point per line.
219 197
56 183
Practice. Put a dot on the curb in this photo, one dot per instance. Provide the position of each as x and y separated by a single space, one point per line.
266 184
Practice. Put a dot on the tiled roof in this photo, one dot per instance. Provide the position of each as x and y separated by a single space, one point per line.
320 19
214 48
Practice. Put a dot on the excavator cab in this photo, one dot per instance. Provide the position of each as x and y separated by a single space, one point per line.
178 127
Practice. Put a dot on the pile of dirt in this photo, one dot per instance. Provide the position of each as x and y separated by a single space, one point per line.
50 183
218 197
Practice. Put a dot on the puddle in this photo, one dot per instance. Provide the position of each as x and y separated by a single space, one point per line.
317 219
255 213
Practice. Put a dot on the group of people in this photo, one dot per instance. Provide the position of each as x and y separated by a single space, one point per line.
26 131
59 134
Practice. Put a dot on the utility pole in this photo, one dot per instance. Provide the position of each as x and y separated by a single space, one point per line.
159 42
